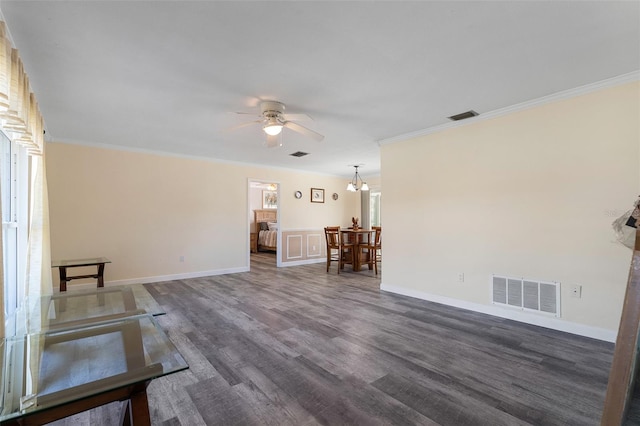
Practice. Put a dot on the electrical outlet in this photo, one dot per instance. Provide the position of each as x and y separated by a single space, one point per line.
576 291
461 277
181 258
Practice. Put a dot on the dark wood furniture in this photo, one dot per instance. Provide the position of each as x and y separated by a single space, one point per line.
254 242
63 265
624 367
356 237
332 238
373 248
337 248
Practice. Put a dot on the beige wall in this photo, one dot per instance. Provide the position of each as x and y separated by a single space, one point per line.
531 194
145 211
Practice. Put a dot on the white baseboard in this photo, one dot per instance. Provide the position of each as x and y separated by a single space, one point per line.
159 278
304 262
520 316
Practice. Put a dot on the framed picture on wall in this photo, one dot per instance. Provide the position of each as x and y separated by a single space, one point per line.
269 199
317 195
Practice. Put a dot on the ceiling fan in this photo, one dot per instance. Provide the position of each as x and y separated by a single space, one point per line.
273 119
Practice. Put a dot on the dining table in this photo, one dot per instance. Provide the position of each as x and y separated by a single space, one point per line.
357 237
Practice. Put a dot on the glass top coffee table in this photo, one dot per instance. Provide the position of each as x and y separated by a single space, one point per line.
78 307
91 348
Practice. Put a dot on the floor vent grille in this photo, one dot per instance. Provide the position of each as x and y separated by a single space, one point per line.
528 295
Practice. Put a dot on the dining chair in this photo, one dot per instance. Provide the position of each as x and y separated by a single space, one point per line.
332 235
374 248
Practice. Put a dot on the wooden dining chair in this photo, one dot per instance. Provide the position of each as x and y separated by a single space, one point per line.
332 235
373 248
337 249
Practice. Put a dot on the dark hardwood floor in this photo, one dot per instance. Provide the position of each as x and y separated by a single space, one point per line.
298 346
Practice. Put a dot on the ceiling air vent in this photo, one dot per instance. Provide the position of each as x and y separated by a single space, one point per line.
463 115
299 154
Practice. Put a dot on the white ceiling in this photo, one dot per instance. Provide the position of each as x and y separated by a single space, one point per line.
168 75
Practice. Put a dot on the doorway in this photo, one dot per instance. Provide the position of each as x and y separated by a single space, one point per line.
264 229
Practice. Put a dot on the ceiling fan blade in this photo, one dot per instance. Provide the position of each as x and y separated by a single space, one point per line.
248 123
303 130
274 141
297 117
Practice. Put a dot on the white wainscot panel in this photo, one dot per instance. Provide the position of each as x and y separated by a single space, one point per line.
314 245
294 246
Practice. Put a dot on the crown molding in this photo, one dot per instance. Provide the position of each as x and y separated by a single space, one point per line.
566 94
196 157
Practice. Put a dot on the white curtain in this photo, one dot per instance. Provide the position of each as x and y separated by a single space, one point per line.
2 305
38 276
21 121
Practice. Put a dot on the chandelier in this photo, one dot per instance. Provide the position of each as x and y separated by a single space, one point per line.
357 183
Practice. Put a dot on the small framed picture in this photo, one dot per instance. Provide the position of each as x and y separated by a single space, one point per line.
317 195
269 199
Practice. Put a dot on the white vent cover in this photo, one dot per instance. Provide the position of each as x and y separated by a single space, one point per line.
526 294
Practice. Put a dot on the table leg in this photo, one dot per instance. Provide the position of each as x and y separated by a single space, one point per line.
125 413
101 275
136 410
140 409
63 278
100 278
356 256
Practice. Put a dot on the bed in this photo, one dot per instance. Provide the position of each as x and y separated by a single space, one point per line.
267 229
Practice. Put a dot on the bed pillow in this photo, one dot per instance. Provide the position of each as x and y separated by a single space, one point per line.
273 226
264 226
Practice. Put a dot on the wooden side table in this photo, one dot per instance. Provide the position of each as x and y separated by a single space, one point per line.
77 263
254 242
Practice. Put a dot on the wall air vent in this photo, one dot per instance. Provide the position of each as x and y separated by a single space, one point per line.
299 154
527 295
463 115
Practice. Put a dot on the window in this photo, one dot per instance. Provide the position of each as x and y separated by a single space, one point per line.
375 197
14 192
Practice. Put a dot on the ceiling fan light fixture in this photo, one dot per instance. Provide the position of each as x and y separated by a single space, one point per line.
273 127
273 119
